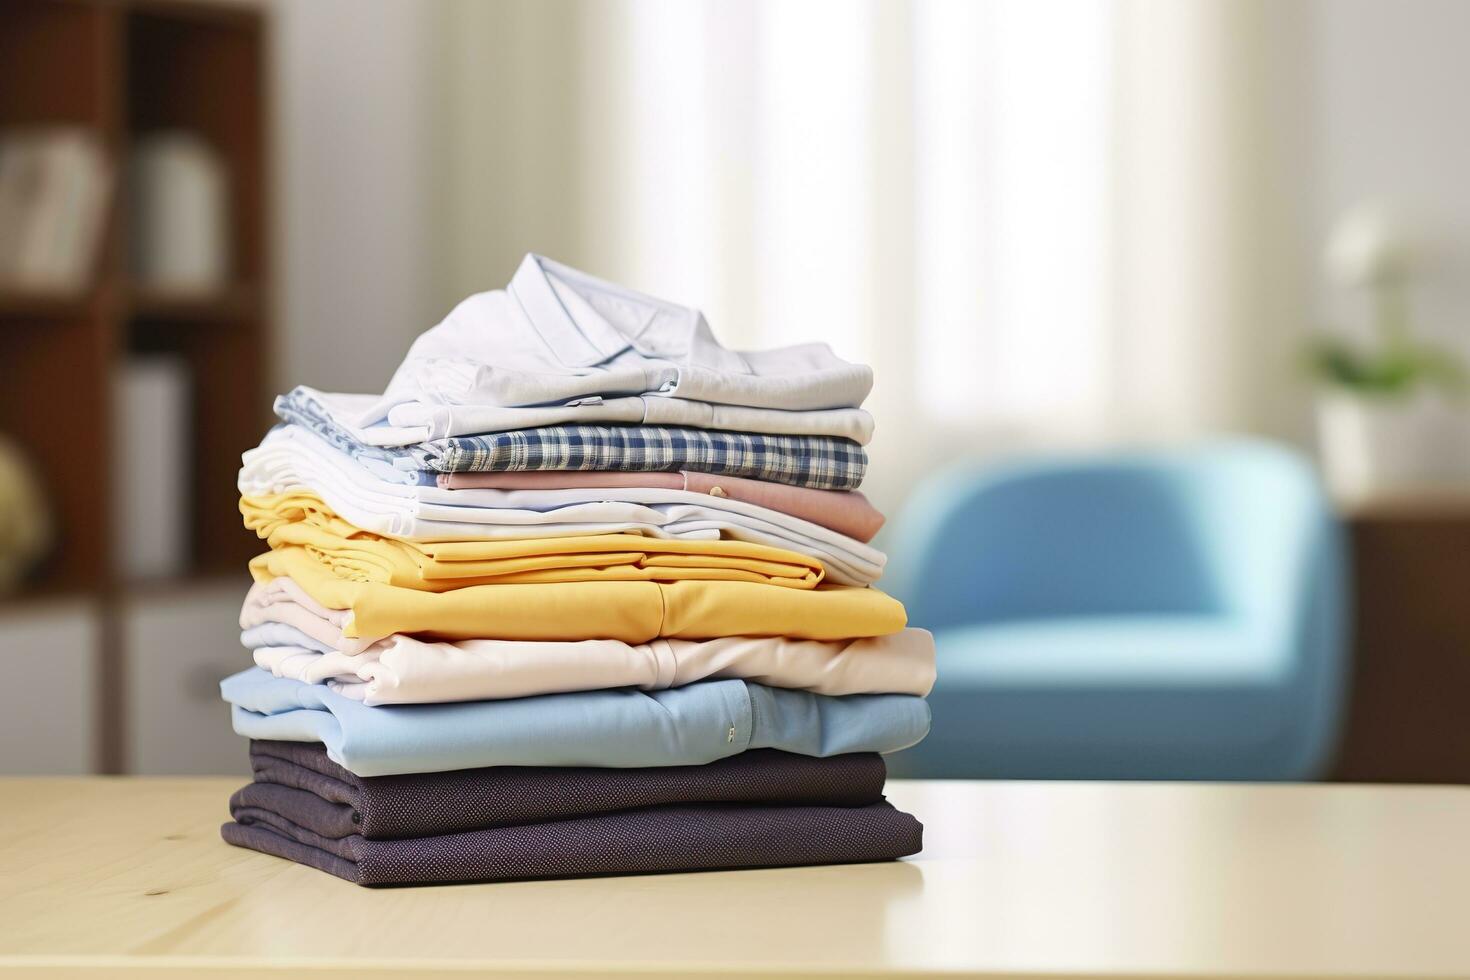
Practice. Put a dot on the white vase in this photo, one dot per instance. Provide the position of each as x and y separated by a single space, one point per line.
1389 446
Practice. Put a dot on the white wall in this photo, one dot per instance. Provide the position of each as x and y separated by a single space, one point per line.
423 147
417 161
1393 121
356 161
654 142
512 140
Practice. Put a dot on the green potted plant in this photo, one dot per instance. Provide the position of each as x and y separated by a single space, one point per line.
1391 413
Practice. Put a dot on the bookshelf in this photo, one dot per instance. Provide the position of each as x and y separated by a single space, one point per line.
124 69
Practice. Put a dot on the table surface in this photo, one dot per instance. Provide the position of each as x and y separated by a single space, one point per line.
1016 879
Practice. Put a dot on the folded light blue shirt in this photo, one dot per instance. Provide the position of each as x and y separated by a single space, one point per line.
621 728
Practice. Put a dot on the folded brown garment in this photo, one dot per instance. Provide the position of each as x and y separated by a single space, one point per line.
429 804
654 839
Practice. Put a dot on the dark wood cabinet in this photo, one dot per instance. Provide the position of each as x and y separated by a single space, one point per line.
1408 714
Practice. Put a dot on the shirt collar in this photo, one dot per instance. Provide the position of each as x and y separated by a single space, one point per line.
588 321
577 340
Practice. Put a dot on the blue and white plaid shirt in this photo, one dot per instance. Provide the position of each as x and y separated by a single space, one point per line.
823 462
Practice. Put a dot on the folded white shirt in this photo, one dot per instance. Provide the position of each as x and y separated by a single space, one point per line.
291 458
404 670
413 422
555 335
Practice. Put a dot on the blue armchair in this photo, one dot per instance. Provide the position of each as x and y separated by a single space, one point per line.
1153 615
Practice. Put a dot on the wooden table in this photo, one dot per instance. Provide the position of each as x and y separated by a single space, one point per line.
129 876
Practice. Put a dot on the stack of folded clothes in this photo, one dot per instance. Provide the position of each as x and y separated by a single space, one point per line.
582 593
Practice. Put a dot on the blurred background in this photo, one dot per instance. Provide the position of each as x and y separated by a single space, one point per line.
1138 279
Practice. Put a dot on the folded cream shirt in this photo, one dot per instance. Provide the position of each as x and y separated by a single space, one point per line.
634 612
404 670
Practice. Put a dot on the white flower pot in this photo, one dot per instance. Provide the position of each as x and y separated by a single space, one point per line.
1379 446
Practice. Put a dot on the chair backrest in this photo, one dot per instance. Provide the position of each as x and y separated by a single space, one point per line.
1205 530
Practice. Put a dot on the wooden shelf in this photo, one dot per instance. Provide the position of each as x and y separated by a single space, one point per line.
43 593
41 596
233 303
42 306
122 70
177 585
237 302
1428 503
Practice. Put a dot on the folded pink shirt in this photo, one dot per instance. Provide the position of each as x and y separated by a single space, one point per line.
845 511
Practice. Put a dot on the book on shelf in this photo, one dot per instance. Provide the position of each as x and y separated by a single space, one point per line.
55 183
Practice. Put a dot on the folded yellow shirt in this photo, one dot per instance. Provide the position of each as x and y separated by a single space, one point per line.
634 612
302 520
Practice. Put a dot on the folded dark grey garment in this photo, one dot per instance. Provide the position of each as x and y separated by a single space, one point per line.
654 839
429 804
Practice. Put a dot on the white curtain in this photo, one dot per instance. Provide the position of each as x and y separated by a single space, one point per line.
1043 221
